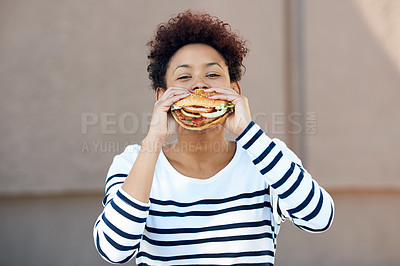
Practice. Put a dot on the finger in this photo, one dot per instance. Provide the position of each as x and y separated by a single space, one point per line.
171 99
173 91
234 98
222 90
171 124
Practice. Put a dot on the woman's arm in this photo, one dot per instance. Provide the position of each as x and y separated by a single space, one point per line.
308 205
138 183
119 228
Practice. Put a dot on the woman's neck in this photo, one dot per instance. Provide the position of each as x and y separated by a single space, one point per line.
201 145
200 154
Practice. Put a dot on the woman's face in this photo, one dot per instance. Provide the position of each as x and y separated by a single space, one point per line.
197 66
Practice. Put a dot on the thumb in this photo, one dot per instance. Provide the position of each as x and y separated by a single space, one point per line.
172 125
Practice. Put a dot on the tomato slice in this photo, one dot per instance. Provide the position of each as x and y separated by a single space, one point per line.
198 109
180 115
198 121
190 120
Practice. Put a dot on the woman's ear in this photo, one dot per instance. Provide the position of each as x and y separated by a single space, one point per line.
236 87
159 92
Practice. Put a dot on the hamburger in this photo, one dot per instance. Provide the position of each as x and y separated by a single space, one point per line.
198 112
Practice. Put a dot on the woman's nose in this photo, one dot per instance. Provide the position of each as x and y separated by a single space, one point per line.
199 87
199 84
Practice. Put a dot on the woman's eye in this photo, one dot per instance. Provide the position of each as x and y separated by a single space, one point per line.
184 77
213 75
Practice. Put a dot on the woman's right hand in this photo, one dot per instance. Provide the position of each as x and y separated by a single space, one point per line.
162 124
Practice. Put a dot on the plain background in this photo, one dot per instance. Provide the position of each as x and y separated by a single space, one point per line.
321 75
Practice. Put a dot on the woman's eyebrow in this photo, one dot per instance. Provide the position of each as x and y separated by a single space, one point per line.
188 66
213 63
184 65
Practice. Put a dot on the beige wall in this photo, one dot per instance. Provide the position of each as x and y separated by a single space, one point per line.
353 83
63 63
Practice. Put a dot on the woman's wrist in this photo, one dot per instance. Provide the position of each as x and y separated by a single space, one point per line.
152 144
242 128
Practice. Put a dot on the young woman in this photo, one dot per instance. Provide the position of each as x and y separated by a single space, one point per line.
204 199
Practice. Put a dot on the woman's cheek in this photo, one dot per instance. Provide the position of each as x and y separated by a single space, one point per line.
219 83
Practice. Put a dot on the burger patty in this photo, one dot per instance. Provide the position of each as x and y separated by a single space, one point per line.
194 121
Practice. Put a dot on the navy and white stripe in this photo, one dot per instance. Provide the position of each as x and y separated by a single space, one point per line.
113 231
308 205
176 240
231 219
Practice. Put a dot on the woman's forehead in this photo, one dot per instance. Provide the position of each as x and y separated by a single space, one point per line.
197 55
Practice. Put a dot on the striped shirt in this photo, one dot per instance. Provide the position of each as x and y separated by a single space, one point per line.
231 218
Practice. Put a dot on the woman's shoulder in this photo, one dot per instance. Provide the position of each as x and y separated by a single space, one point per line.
128 156
122 163
131 149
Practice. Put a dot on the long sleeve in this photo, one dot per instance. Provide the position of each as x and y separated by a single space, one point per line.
298 196
118 230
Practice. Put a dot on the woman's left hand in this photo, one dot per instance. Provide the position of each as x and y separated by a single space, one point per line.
241 116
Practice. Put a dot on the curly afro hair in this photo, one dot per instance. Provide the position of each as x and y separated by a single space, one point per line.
194 27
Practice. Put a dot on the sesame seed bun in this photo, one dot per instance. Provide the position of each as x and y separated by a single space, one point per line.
200 98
